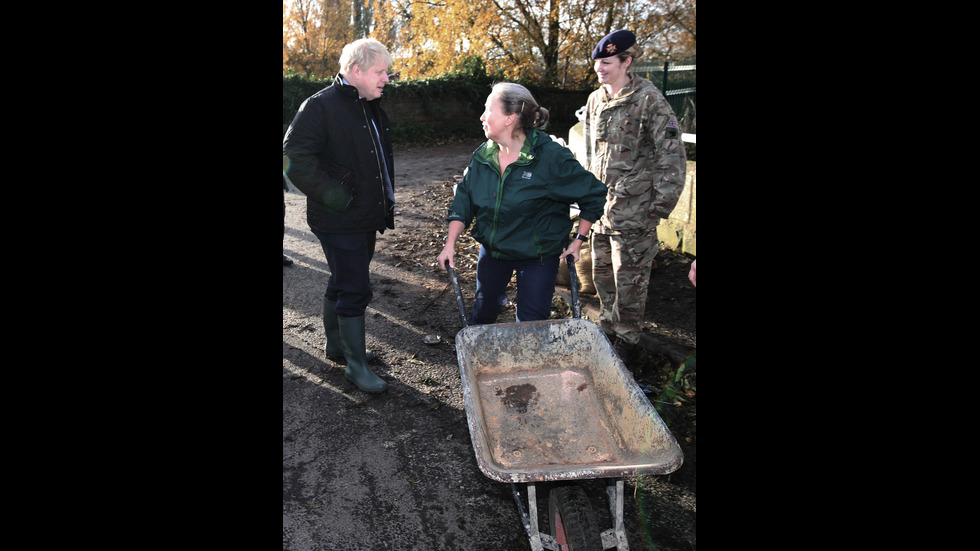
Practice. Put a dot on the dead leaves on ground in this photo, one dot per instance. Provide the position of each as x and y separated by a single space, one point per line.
421 231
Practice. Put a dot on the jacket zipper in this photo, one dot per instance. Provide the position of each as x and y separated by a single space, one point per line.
500 194
496 206
377 155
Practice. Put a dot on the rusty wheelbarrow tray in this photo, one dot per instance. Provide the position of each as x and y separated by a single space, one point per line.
551 401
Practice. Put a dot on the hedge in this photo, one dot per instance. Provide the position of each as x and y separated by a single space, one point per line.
438 121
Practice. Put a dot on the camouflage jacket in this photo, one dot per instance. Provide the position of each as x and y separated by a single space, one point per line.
633 144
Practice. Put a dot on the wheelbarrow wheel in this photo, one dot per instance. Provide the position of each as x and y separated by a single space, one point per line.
573 521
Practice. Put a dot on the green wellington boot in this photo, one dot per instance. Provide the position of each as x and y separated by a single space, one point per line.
352 340
333 349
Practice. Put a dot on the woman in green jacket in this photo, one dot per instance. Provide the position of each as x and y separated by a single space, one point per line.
517 191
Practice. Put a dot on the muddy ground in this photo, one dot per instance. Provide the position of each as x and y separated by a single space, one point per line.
397 470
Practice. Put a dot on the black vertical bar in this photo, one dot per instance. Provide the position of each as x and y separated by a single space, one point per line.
573 278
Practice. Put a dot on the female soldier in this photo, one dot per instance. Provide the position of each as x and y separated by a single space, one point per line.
633 145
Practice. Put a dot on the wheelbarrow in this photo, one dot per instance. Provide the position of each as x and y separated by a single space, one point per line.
551 401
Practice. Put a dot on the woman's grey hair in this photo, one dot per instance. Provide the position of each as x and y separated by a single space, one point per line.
518 100
364 53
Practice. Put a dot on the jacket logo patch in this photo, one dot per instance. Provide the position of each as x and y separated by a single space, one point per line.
526 175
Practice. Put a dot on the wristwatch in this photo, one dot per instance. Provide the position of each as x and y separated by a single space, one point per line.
580 236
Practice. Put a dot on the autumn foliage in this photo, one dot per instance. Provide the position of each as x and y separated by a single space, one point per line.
543 41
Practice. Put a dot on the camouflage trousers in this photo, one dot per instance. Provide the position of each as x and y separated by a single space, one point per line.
621 267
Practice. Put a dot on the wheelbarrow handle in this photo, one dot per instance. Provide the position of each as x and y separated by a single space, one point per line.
459 294
573 278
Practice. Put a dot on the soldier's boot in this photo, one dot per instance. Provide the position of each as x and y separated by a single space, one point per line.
332 348
352 341
624 349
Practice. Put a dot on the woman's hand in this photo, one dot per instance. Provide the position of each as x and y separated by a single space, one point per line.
572 249
447 255
455 229
575 244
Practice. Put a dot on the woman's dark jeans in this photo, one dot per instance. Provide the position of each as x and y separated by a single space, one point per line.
535 287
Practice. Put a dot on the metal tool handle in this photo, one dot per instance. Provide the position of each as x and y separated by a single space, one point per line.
573 277
459 294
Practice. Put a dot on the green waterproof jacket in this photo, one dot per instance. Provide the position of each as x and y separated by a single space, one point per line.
524 213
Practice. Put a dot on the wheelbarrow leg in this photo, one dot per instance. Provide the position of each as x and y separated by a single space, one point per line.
615 536
529 516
